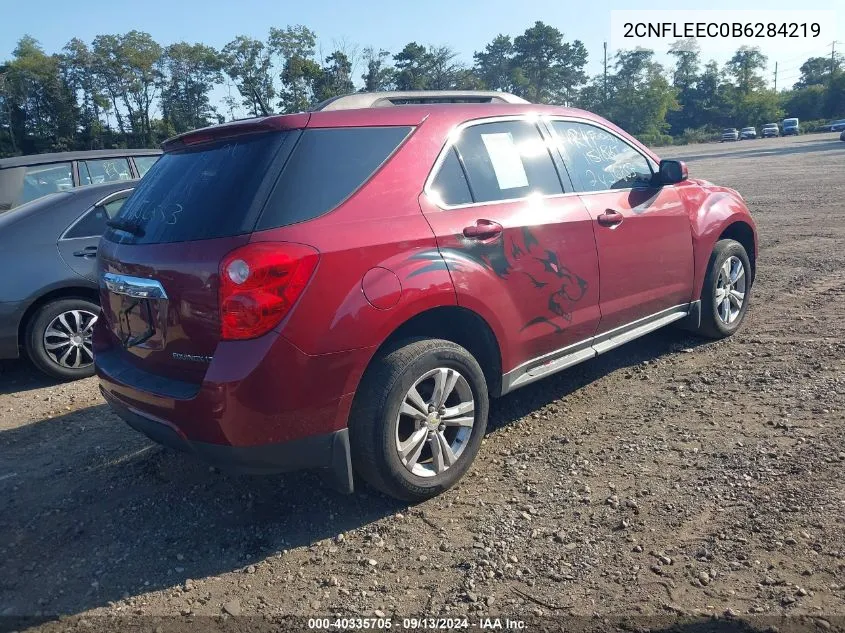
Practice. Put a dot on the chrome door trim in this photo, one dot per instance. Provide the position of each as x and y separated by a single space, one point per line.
136 287
553 362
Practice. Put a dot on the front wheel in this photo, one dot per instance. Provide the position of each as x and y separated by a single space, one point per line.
726 292
418 419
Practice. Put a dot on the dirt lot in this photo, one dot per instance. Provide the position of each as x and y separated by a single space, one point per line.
671 476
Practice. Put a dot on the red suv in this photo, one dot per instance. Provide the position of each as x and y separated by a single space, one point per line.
345 289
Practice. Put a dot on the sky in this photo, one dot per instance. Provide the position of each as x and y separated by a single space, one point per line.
465 25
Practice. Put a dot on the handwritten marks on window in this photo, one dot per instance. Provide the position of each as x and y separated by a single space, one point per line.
599 160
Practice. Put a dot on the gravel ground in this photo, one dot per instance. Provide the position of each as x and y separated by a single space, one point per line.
671 476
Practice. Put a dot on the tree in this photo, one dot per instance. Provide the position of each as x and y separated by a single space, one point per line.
685 77
142 62
547 69
640 95
80 74
294 46
192 72
745 68
379 75
39 106
817 70
335 77
247 62
494 65
108 65
413 65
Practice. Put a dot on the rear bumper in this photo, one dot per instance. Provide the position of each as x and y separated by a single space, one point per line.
329 451
263 406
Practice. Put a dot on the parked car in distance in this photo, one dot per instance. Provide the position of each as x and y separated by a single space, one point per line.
49 304
770 129
842 136
346 288
27 178
730 134
837 126
748 132
790 127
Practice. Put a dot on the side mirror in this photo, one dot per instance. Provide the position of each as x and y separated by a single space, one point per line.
672 172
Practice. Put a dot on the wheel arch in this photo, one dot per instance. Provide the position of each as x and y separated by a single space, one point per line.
740 231
458 325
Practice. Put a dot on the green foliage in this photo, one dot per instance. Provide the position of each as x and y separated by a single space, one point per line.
106 93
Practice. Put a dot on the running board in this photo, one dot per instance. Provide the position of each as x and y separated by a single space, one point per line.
571 355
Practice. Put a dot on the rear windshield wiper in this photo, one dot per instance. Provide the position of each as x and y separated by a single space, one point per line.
133 228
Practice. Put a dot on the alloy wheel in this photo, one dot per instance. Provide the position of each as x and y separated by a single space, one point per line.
435 422
67 340
730 290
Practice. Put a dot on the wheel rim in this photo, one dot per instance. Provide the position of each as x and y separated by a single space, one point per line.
435 422
67 340
730 290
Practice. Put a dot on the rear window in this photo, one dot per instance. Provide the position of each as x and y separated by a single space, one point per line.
39 180
326 167
209 191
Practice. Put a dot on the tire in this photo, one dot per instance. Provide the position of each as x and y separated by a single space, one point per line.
37 338
714 322
376 427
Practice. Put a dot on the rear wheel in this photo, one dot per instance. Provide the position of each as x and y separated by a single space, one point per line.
727 287
58 338
419 418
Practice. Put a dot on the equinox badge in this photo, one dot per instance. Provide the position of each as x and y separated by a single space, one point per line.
194 358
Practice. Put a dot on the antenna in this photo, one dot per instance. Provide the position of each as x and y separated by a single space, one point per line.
265 111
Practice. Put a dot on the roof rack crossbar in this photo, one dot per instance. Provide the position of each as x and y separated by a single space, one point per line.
392 98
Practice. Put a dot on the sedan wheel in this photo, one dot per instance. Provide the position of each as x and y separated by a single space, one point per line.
58 338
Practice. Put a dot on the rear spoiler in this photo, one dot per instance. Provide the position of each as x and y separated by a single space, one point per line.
237 128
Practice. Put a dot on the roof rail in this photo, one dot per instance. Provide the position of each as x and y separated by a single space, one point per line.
413 97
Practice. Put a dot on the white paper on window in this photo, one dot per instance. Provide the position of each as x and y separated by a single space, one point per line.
507 163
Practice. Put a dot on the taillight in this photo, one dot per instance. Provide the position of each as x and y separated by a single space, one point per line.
259 283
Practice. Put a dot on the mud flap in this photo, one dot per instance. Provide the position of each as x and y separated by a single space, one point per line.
338 475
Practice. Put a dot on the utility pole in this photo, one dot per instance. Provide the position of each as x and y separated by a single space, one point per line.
605 72
776 76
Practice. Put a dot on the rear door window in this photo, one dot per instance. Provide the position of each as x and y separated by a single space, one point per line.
507 160
94 172
39 180
327 166
204 192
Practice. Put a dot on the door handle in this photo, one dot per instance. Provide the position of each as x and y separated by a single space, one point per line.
88 251
610 218
483 230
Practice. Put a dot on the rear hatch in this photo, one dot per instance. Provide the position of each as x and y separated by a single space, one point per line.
159 262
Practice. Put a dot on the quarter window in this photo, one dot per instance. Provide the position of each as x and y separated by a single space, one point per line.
450 186
93 223
507 160
143 164
598 160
